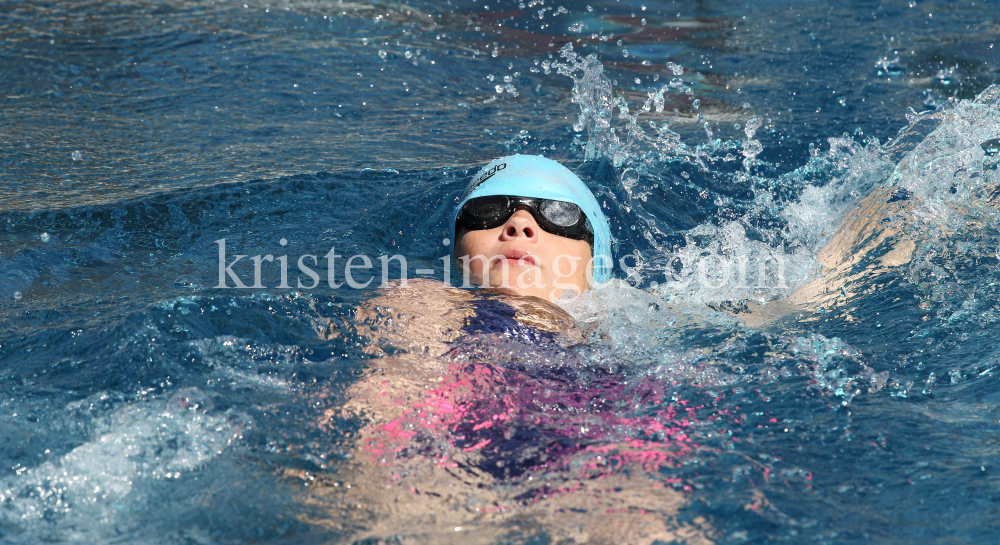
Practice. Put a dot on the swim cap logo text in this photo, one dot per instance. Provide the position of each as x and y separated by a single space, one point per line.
486 176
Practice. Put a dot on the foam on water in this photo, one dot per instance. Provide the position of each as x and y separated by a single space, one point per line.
949 171
99 486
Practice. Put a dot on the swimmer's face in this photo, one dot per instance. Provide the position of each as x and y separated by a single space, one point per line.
523 257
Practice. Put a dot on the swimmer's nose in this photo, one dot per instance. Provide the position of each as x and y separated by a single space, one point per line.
520 225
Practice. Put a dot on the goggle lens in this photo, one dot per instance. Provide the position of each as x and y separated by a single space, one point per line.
487 210
563 214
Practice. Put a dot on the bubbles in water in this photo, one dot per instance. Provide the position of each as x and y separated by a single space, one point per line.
991 147
751 147
624 52
45 237
382 54
189 282
130 449
495 53
77 156
408 54
638 81
17 296
364 41
696 103
947 77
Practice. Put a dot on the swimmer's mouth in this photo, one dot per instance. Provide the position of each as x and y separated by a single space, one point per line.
515 255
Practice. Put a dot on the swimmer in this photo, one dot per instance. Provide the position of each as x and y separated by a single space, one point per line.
527 231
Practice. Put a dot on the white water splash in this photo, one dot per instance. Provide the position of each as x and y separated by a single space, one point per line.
83 494
593 91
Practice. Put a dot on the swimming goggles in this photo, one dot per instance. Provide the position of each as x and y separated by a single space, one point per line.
557 217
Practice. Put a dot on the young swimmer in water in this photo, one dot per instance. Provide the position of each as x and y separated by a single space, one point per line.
455 422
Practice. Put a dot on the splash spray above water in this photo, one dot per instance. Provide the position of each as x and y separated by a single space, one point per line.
767 249
719 261
593 91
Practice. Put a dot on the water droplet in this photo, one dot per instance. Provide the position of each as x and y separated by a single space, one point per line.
17 296
408 54
991 147
625 52
946 77
364 41
77 156
495 53
638 81
643 22
619 42
381 53
45 237
696 103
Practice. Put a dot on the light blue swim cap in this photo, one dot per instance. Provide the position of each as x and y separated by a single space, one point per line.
536 177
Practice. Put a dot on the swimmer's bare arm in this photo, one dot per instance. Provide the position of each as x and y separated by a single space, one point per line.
865 244
417 322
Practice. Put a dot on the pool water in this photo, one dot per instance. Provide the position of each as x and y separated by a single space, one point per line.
142 403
